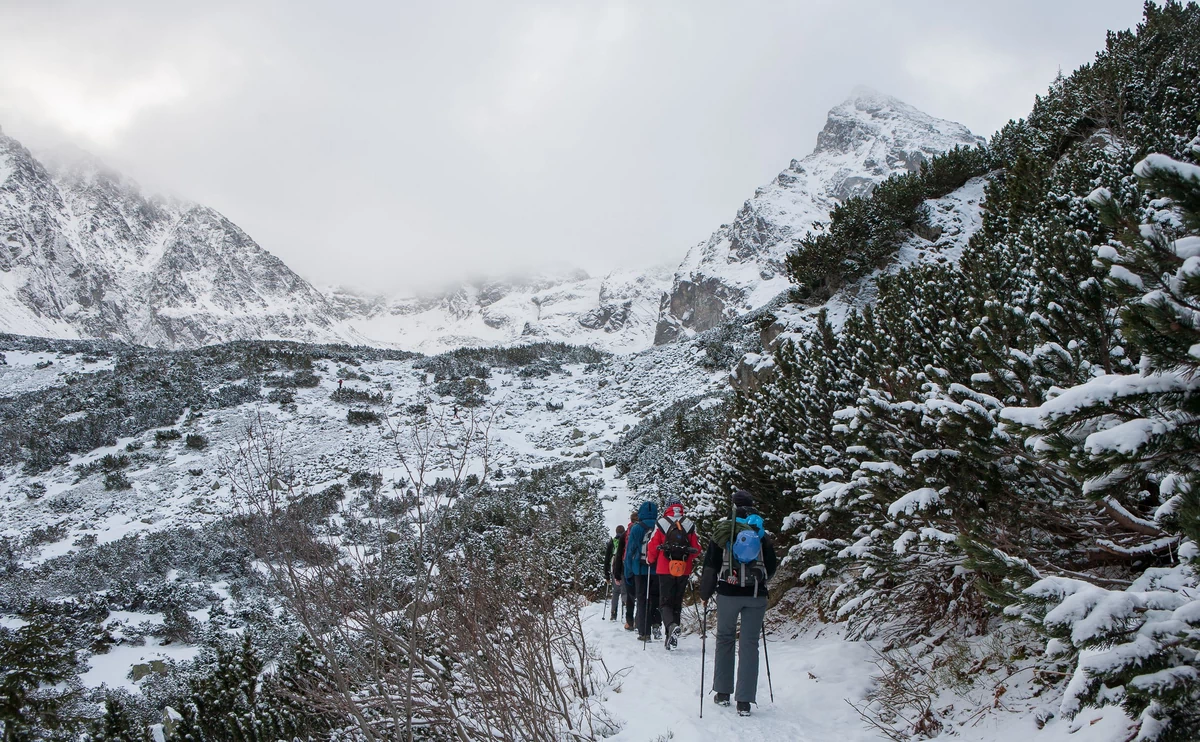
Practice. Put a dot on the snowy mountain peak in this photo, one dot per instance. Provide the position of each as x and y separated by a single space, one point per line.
866 139
84 252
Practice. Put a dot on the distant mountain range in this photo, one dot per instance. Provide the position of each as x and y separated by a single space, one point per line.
85 252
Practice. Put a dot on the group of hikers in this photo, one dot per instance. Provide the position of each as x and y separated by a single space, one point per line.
650 562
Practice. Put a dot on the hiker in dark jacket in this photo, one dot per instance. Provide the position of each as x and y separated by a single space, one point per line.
674 541
630 585
614 568
740 585
648 618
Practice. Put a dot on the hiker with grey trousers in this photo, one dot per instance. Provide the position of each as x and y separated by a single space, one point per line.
614 568
739 580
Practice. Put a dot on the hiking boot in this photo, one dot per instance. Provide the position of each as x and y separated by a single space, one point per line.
629 626
721 699
667 641
643 637
613 617
673 637
657 633
743 708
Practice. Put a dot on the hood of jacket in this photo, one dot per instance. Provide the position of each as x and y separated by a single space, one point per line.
648 513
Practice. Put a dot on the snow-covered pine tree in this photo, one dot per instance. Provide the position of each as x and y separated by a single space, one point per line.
39 686
1134 441
119 724
226 703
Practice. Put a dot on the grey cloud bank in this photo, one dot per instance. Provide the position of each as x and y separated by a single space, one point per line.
394 145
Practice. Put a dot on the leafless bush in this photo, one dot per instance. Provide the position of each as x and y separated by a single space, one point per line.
424 634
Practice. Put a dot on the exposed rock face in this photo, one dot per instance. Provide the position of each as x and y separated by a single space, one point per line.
866 139
607 317
85 252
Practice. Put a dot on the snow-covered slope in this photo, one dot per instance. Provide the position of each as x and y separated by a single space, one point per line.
616 313
85 252
867 139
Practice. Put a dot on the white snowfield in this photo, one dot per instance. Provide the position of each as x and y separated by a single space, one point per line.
617 313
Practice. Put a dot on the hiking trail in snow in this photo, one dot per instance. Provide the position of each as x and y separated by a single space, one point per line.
653 695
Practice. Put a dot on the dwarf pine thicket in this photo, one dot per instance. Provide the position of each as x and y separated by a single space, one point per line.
1016 435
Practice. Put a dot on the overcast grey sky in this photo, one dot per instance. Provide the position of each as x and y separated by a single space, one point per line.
392 144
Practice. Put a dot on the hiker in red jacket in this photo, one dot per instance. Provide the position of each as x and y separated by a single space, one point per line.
673 548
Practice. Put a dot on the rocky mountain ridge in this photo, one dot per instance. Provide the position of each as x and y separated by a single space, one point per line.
866 139
85 252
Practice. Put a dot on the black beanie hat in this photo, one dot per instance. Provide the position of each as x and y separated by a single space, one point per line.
620 530
743 498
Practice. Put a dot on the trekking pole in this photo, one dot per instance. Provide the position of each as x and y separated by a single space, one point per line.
767 657
646 614
703 652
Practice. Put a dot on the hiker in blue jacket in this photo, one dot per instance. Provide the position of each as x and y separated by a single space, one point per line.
636 540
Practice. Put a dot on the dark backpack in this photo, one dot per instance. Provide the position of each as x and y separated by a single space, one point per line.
677 544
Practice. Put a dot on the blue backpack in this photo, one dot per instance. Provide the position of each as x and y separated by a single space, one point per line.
742 563
747 546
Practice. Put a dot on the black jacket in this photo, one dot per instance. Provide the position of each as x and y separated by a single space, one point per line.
614 558
713 557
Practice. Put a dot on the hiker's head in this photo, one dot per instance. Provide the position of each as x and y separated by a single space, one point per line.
744 502
620 530
648 511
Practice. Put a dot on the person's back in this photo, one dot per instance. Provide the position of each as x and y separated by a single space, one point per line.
673 548
637 539
630 587
614 568
738 563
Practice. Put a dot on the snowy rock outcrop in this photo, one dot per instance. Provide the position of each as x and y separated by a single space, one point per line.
616 313
867 139
85 252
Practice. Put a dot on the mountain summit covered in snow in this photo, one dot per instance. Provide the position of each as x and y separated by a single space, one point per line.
85 252
866 139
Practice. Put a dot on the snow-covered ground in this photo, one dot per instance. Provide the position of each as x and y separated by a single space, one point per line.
816 674
173 484
28 372
656 693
